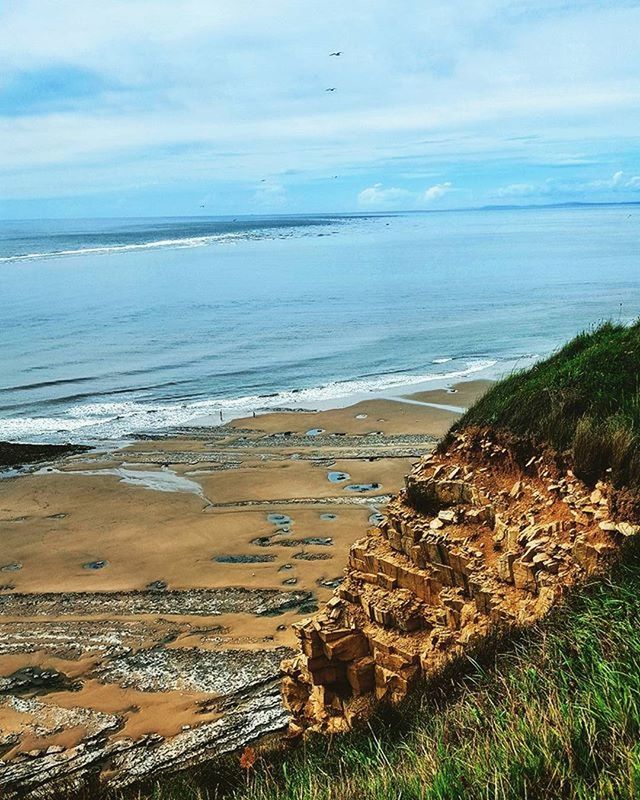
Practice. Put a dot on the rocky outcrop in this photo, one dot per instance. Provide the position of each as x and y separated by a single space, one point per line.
54 744
16 454
486 537
250 708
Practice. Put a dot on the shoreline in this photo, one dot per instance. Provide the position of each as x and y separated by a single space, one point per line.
438 391
174 567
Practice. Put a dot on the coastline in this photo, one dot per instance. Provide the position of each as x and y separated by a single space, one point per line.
184 560
102 424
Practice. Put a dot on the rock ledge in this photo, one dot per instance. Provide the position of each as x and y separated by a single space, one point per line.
485 538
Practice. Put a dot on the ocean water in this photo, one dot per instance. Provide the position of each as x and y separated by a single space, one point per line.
113 326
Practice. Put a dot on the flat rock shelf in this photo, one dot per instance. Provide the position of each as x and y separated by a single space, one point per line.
149 592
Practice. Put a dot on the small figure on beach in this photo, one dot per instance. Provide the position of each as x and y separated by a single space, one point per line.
221 416
254 414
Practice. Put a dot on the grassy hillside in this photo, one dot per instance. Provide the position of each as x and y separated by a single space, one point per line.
558 716
585 399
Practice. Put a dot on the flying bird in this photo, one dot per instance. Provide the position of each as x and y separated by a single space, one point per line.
337 53
332 89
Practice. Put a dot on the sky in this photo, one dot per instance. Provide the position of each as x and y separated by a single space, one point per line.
210 107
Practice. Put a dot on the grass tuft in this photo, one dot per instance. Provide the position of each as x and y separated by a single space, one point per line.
584 400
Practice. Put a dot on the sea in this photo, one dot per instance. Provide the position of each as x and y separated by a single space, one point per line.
110 327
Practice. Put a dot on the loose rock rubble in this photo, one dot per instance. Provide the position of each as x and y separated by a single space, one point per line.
485 538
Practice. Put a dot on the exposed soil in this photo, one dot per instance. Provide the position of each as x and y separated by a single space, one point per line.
487 536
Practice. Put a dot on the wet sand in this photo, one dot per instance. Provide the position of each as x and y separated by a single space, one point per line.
462 394
69 539
369 416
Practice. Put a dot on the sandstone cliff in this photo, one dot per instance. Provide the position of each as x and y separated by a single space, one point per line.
485 538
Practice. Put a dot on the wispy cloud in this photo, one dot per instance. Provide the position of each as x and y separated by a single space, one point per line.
270 196
381 197
437 192
519 190
618 181
377 196
618 186
181 97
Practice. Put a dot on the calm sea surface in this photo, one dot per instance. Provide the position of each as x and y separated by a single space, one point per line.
108 327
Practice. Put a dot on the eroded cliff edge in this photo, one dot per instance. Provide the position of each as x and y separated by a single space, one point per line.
485 538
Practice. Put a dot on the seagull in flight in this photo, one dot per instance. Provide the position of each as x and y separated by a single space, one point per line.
337 53
331 89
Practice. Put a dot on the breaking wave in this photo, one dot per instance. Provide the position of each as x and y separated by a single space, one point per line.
115 420
192 241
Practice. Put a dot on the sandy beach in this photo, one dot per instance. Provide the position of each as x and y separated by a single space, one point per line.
148 592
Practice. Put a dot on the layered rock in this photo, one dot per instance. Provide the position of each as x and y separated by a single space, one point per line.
485 537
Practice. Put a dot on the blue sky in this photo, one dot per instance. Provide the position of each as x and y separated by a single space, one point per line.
160 107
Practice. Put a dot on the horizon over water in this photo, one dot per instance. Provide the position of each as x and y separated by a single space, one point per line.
115 326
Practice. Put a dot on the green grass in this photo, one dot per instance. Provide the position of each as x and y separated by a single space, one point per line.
584 400
556 716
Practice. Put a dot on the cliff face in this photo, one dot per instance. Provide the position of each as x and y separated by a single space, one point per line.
485 538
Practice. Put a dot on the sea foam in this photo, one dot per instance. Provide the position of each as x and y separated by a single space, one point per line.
193 241
115 420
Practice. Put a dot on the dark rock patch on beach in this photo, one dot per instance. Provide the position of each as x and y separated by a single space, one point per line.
17 454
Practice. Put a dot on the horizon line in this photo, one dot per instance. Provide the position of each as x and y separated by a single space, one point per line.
386 213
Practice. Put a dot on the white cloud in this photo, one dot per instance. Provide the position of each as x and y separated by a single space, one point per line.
377 196
618 182
437 192
601 188
229 92
518 190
